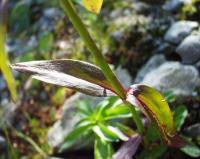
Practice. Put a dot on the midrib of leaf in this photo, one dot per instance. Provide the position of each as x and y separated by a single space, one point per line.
4 62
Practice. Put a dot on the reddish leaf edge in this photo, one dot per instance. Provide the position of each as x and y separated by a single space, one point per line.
173 139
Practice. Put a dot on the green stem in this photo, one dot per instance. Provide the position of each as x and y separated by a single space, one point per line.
4 64
136 118
99 59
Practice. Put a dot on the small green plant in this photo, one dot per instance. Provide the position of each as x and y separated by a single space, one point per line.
101 81
102 125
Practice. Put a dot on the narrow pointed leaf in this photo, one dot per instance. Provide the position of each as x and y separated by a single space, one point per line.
4 64
102 149
75 134
155 106
77 75
93 5
129 148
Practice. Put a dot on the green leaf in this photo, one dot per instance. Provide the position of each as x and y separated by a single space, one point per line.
46 41
81 129
4 64
180 114
125 129
93 5
102 149
84 107
20 17
153 152
105 133
191 150
74 74
155 106
120 111
169 96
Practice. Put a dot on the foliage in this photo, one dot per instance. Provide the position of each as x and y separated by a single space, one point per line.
4 64
100 81
102 125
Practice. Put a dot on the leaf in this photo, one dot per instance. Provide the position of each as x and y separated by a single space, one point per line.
105 133
4 64
46 41
20 17
155 106
191 150
125 129
75 134
74 74
180 114
155 151
129 148
84 107
102 149
93 5
119 111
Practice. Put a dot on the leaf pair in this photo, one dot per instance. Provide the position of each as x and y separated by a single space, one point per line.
89 79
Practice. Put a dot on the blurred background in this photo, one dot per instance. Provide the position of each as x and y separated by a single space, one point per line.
155 42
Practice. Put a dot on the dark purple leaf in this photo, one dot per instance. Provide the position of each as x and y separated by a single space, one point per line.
78 75
129 148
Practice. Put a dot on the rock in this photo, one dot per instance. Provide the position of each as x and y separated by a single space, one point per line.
174 5
123 21
2 143
152 64
124 77
69 117
193 130
179 30
2 83
189 49
7 110
165 48
173 76
52 13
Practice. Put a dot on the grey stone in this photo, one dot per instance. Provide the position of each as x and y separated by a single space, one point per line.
2 143
69 117
189 49
124 77
52 13
174 5
179 30
173 76
7 111
152 64
193 130
2 83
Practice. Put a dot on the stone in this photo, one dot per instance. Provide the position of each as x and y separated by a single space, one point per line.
69 117
7 111
189 49
52 13
152 64
2 143
174 5
193 130
173 76
2 83
179 30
